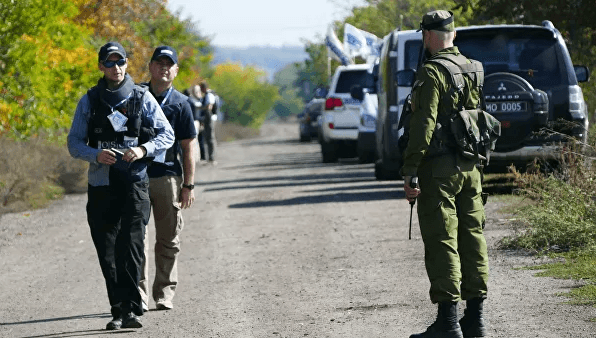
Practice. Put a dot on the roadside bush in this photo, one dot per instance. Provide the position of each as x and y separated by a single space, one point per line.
561 213
33 173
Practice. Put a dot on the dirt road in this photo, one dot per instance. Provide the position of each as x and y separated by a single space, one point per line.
277 245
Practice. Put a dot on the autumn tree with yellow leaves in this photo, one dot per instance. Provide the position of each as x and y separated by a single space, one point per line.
48 60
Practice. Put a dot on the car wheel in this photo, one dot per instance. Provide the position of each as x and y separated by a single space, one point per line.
329 152
366 156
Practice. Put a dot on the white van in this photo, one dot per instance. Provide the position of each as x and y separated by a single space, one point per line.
338 124
401 51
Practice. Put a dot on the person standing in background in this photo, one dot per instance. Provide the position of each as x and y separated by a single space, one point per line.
208 103
196 101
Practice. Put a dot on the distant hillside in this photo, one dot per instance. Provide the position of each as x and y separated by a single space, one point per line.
270 59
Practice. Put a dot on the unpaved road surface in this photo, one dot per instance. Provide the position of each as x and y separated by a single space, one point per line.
277 245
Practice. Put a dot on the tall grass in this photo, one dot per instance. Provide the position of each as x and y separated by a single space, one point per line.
561 211
559 218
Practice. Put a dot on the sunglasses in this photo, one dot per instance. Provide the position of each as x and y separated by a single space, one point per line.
110 64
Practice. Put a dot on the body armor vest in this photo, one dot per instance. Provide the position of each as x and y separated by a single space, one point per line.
127 100
101 133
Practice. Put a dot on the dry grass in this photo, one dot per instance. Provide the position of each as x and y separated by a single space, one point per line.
225 132
33 173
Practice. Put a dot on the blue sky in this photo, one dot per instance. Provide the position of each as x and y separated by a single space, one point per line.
242 23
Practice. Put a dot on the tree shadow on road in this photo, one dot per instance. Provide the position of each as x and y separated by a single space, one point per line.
272 142
287 161
306 179
81 333
78 333
331 198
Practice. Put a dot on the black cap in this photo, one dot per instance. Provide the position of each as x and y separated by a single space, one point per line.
165 51
437 21
110 48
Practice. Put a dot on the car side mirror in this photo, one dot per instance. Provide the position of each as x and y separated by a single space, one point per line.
406 77
582 73
357 92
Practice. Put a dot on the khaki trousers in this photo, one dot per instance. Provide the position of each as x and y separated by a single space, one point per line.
164 193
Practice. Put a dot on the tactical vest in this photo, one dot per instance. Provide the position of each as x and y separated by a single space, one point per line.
471 131
101 133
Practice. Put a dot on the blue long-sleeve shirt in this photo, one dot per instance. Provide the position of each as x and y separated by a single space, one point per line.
151 116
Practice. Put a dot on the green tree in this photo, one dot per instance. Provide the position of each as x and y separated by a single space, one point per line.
46 60
313 72
289 103
247 97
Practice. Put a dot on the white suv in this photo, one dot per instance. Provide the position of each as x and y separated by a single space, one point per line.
338 125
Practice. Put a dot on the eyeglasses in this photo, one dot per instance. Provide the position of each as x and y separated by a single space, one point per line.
110 64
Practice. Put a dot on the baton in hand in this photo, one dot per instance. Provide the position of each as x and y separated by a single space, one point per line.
413 185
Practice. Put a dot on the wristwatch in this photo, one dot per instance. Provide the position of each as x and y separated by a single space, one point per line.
188 186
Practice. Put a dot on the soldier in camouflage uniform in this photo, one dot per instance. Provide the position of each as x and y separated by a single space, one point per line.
450 209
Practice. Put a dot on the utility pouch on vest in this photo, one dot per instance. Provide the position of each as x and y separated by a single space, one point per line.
475 133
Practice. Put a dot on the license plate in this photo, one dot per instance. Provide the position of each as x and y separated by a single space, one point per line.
506 107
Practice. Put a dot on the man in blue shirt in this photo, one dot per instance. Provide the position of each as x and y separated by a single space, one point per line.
118 127
171 183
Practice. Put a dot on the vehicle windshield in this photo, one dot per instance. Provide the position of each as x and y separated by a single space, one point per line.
349 78
534 59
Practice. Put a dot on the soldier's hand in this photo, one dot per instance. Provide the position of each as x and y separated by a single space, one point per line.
133 154
411 193
187 198
106 156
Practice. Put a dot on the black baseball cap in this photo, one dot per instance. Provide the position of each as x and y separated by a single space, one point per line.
165 51
110 48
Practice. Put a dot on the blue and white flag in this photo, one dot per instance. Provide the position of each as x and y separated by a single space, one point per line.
361 43
334 48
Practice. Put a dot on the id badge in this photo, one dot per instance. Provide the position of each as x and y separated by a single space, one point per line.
118 121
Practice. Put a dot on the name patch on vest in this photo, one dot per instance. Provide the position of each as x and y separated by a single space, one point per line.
127 143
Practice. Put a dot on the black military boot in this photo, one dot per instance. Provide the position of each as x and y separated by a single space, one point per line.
472 323
445 326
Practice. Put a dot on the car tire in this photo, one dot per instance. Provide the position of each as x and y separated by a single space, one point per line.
304 138
329 152
366 156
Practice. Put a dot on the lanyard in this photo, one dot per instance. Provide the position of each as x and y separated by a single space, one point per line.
119 103
166 98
